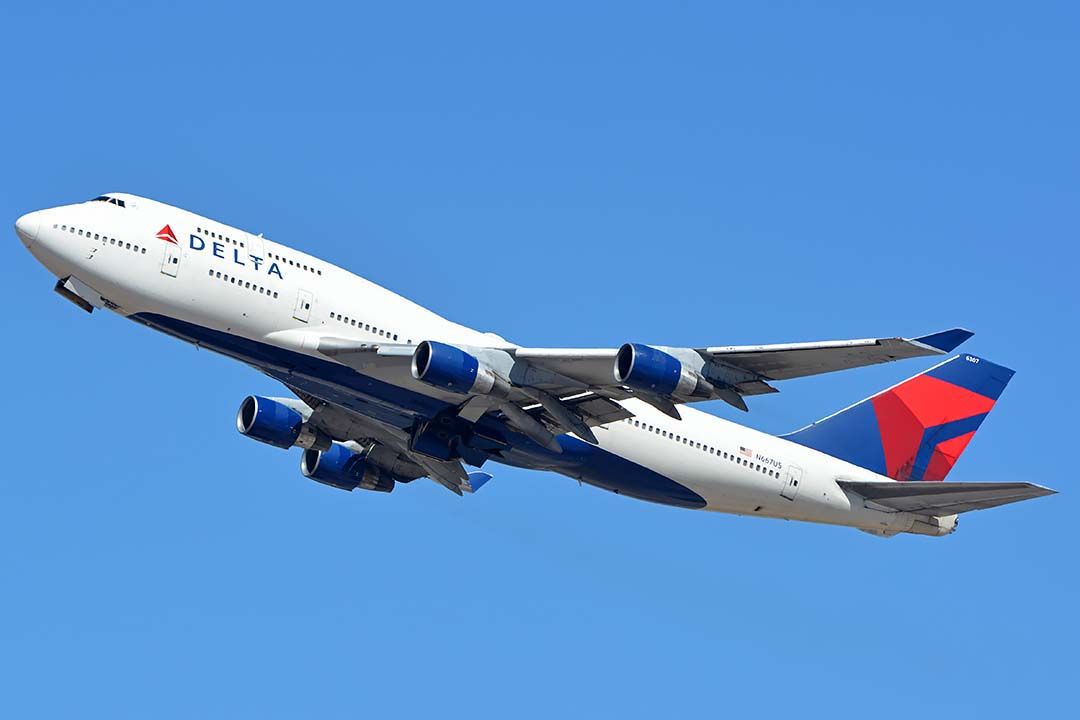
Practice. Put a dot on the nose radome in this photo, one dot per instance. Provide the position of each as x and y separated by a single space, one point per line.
27 227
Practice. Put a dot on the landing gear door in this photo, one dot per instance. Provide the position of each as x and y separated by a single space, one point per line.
170 265
302 311
792 479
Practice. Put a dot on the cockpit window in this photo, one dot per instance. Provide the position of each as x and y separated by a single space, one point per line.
112 200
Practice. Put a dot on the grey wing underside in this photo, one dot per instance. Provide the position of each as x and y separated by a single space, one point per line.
346 425
556 390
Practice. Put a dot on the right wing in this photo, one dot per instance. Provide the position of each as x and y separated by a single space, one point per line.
724 372
546 391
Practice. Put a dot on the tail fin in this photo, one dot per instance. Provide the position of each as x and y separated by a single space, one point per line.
915 430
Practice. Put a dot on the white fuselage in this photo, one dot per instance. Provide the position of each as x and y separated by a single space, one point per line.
226 280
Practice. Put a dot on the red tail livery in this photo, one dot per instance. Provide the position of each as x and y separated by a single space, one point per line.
915 430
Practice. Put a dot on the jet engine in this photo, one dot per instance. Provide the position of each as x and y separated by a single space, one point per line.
654 371
450 368
344 469
277 424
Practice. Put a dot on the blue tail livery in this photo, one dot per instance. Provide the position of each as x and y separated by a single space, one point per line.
915 430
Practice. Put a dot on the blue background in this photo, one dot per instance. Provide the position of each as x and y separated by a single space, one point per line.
565 175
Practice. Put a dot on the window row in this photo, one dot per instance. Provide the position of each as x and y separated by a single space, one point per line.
742 458
220 236
296 264
353 322
104 240
246 284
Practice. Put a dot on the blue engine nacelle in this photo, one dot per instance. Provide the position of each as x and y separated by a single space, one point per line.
654 371
342 468
450 368
277 424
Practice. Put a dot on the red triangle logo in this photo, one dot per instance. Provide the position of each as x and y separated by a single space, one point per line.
167 235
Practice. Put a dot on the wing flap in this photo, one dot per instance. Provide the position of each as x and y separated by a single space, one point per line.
944 498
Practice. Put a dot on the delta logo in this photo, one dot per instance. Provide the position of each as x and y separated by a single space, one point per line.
218 250
167 235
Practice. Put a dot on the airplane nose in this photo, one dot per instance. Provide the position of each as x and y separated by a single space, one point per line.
27 226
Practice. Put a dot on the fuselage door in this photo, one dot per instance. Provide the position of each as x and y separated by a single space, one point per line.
303 305
171 264
792 479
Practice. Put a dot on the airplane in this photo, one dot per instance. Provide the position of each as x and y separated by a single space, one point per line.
385 391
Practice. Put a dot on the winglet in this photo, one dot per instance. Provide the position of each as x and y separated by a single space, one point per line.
477 479
945 341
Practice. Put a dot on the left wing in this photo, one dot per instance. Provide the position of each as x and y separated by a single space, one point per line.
543 392
383 445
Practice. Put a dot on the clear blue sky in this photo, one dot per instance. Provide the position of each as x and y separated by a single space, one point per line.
690 174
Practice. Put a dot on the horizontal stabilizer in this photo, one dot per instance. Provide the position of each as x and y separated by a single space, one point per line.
944 498
477 479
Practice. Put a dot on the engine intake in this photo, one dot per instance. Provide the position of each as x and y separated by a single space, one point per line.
277 424
451 368
344 469
654 371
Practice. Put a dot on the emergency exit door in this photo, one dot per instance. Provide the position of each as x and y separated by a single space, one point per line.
302 311
792 478
170 265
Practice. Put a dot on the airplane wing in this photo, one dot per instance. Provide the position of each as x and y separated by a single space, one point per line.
547 390
784 362
393 444
944 498
729 372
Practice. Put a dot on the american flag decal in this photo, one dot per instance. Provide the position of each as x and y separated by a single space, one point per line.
746 452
